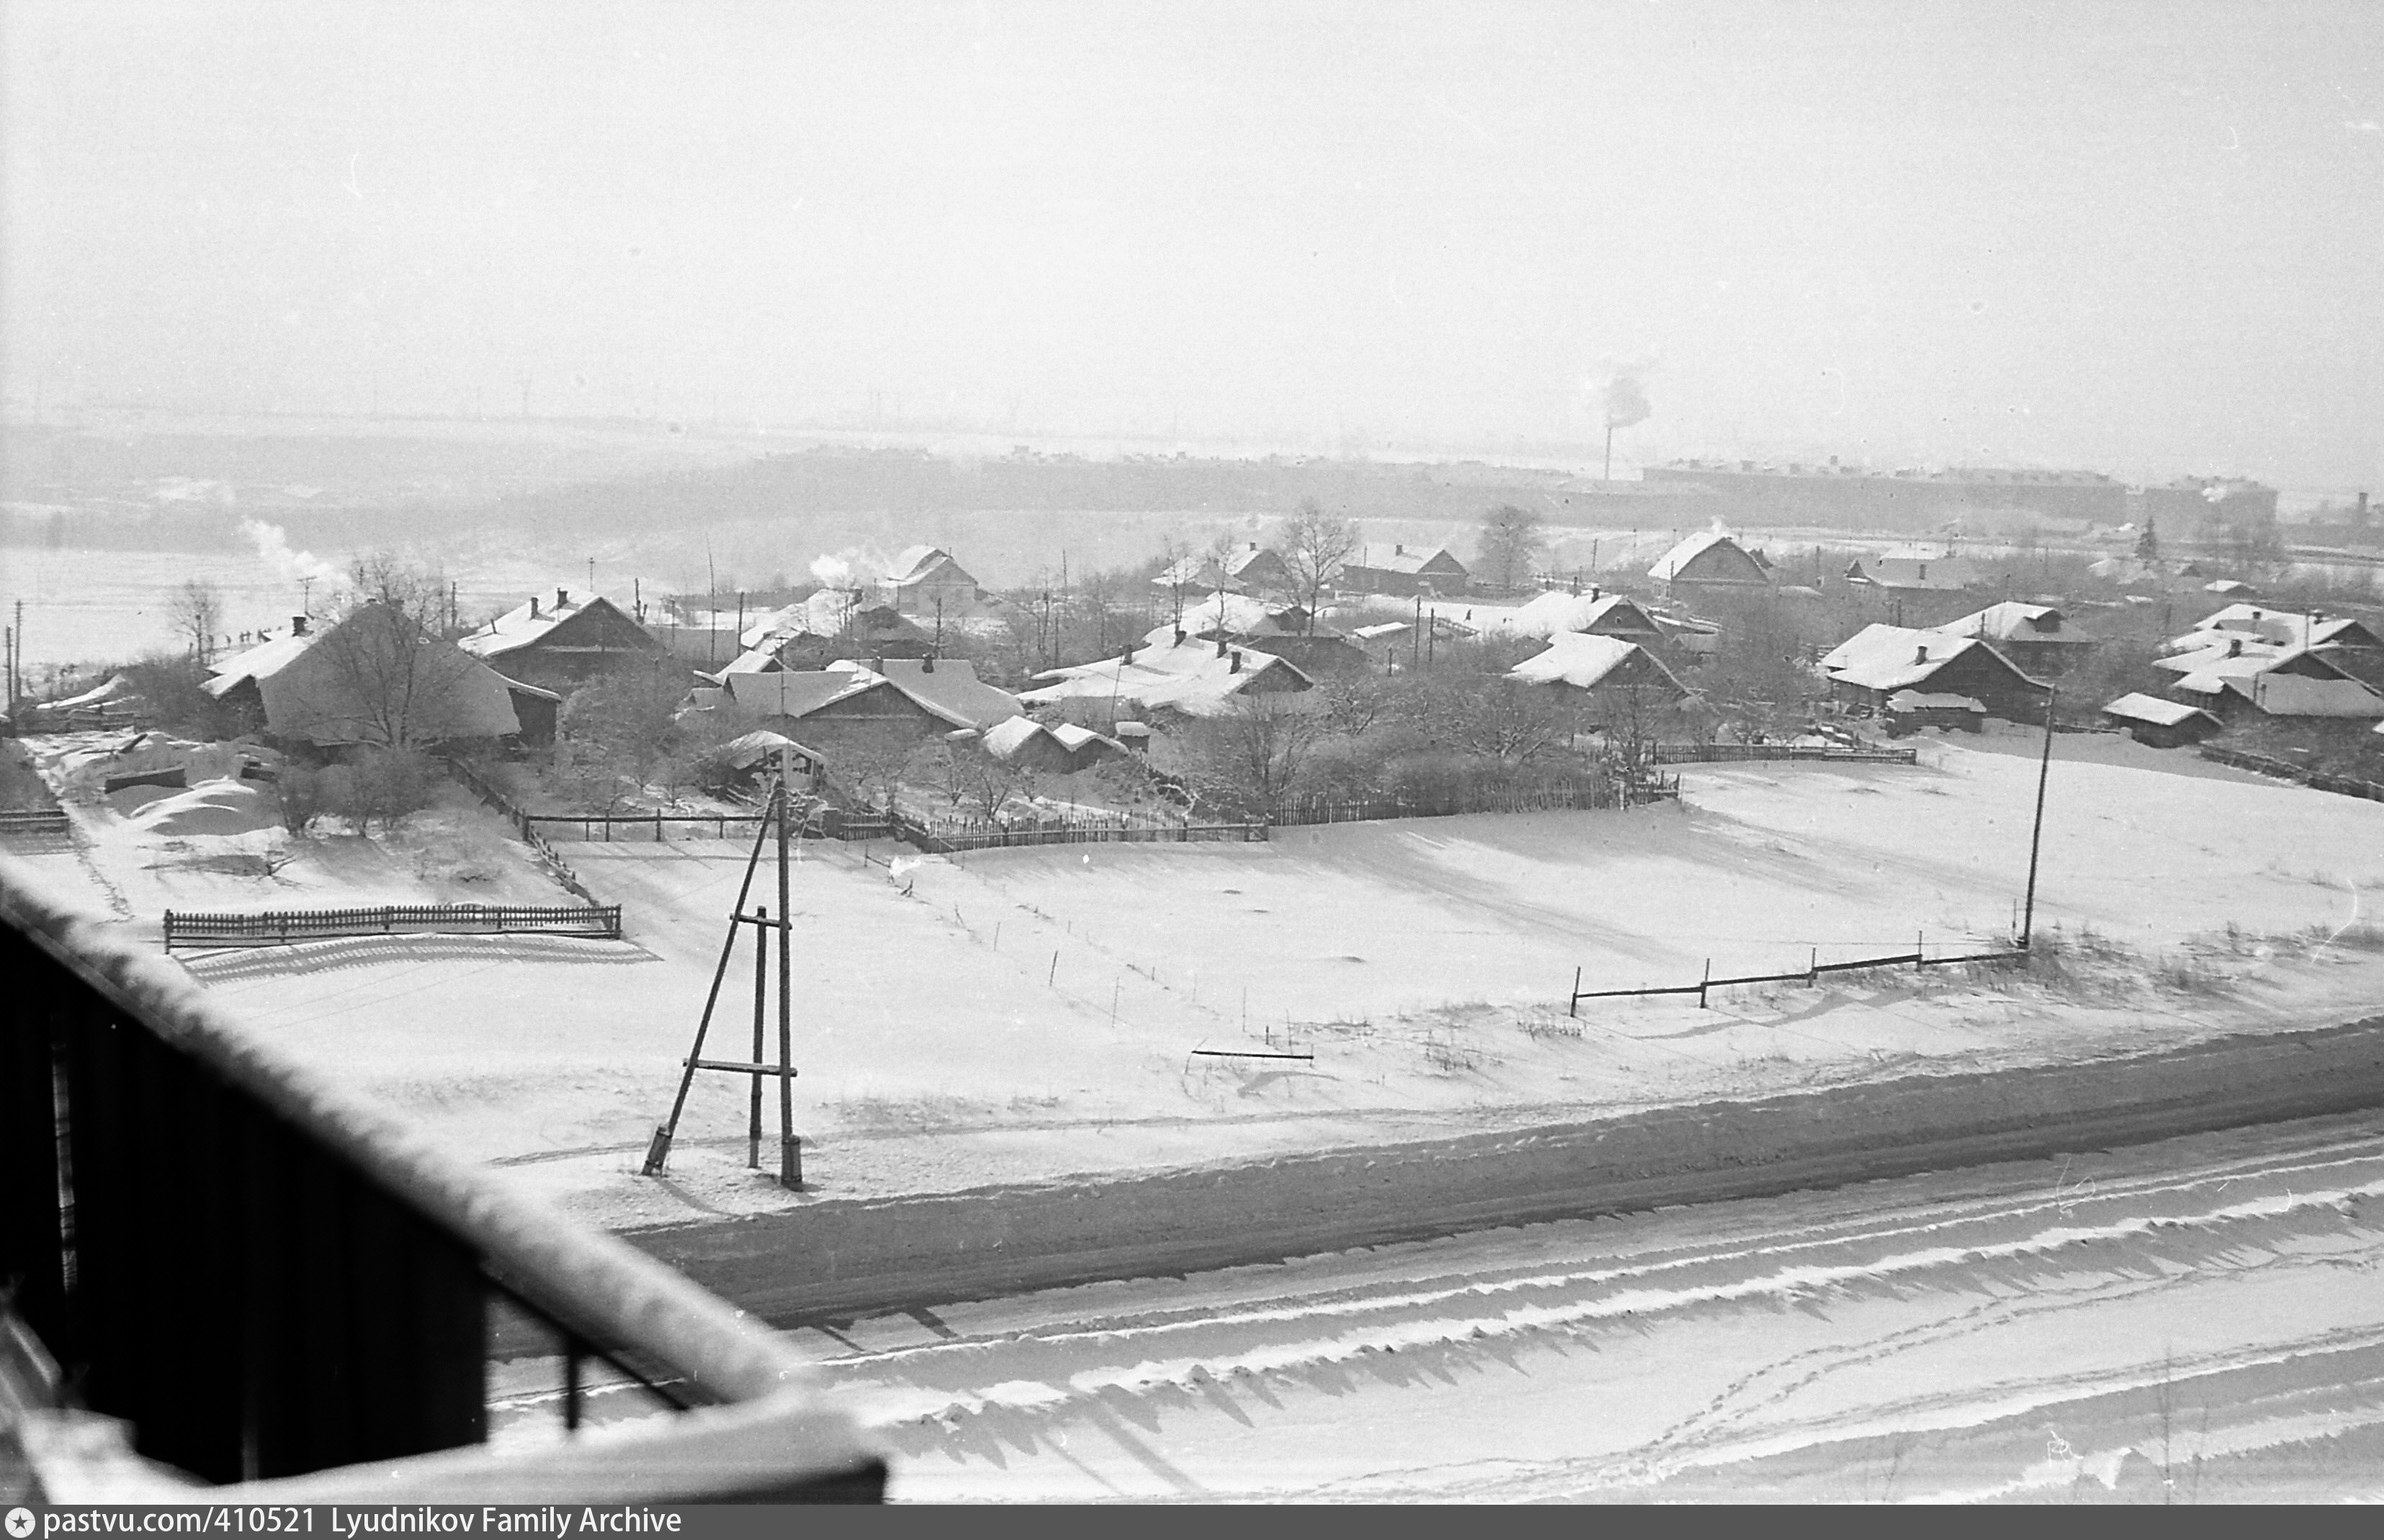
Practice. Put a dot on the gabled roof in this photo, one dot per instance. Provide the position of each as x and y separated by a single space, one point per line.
1728 553
823 614
1198 572
2153 710
922 562
1553 613
2013 621
2225 657
1252 556
1915 570
529 622
1899 657
2285 626
1587 662
1411 562
319 686
2296 695
797 693
949 689
1190 678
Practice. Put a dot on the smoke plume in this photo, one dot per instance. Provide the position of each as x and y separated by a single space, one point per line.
272 543
1622 394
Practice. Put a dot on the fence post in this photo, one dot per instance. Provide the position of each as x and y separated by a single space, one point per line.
1813 970
1572 1006
658 825
1703 982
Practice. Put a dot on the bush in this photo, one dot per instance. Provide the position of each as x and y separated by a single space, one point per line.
171 686
379 785
301 789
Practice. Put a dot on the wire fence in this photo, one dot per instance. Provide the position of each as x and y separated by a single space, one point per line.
1808 976
280 926
34 820
1655 786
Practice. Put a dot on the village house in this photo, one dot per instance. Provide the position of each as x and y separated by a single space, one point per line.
1405 574
2348 643
1599 667
2244 679
1193 578
1711 562
928 696
2160 724
374 678
1059 749
564 643
1879 660
2030 635
1171 670
926 583
1286 631
1393 645
831 625
1917 571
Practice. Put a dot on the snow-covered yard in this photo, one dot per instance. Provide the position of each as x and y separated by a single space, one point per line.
1031 1013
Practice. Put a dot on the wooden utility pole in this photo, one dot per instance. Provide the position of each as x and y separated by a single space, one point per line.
2036 833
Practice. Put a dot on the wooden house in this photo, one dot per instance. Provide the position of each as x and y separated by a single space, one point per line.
1405 574
564 643
1710 562
1878 661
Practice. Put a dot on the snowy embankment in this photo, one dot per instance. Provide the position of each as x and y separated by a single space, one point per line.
2188 1321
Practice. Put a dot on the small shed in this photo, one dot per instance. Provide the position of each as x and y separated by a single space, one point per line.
2159 724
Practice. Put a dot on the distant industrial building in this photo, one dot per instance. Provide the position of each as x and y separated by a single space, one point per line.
1851 497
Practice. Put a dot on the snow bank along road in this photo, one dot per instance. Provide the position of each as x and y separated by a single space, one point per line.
839 1256
2201 1318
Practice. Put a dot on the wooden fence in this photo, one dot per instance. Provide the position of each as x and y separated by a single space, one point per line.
947 840
1809 975
1725 753
272 928
51 820
2319 780
1655 787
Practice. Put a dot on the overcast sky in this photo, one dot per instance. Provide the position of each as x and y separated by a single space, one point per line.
2147 238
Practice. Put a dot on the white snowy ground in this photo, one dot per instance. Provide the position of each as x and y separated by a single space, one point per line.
1032 1014
2195 1321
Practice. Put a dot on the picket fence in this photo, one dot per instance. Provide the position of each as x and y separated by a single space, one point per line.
2319 780
280 926
51 820
1726 753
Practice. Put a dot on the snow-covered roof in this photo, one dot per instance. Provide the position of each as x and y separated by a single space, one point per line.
2226 585
822 614
797 693
1190 678
1248 555
1400 559
261 662
758 660
1005 738
919 562
1915 570
1588 661
761 744
1198 572
2298 695
949 689
2152 709
1894 657
2285 626
1673 562
2012 621
530 621
2225 655
1555 613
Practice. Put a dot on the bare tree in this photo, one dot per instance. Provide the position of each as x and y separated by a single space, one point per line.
1252 754
874 759
1315 547
196 613
393 685
1510 541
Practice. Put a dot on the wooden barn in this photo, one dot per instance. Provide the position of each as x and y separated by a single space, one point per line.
1878 661
1405 574
2159 724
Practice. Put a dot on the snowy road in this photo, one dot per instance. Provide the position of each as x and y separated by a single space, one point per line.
2207 1312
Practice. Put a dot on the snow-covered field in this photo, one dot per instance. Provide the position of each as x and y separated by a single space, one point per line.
1029 1014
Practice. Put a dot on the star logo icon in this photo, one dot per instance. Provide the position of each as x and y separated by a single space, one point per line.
20 1522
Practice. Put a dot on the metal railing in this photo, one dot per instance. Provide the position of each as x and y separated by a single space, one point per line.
275 1286
280 926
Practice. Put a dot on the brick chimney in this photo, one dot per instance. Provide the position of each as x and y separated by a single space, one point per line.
562 600
927 663
533 606
1236 666
1920 654
297 625
1220 646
